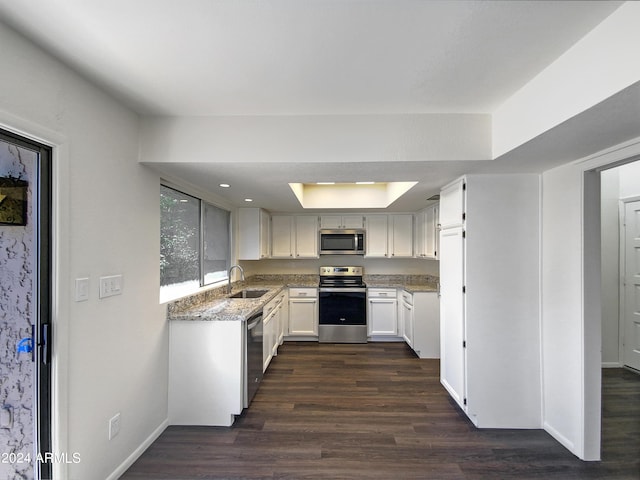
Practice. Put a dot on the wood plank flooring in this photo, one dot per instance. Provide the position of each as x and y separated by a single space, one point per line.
375 411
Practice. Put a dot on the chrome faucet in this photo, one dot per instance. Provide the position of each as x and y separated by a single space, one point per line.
229 276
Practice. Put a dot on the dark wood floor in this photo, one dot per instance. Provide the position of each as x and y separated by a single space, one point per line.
375 411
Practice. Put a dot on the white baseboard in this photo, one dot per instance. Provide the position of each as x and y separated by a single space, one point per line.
118 472
611 365
568 444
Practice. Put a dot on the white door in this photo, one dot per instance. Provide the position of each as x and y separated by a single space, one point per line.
631 352
452 334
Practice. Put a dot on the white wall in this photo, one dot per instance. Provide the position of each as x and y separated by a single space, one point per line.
317 138
110 355
562 305
595 68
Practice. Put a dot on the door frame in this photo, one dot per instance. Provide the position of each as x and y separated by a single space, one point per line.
591 167
622 256
42 339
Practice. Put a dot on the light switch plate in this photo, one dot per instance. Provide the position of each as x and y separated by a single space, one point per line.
110 285
82 289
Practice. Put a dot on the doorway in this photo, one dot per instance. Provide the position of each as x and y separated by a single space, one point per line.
620 213
25 307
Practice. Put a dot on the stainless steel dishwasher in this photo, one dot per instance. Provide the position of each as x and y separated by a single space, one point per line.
253 357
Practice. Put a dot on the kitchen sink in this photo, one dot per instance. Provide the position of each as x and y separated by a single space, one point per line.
249 294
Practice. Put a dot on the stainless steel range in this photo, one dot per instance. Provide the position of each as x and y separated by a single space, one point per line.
343 305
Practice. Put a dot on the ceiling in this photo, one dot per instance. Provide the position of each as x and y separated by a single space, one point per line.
312 57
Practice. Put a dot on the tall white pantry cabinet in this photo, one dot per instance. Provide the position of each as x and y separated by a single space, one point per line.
489 304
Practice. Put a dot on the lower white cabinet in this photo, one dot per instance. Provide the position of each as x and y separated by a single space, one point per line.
205 372
406 317
425 324
273 320
303 312
382 312
269 336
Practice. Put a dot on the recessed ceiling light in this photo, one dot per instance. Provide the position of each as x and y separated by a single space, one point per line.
225 185
325 183
365 183
248 199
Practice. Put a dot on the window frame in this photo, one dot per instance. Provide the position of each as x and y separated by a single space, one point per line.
167 294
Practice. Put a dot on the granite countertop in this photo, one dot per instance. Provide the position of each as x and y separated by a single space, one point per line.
410 283
227 309
215 304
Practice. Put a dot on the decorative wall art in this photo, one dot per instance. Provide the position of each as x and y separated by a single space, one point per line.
13 201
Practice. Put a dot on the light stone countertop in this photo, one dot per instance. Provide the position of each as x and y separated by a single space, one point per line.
410 283
214 305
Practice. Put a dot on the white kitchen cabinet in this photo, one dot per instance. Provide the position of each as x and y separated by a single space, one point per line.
452 204
427 232
426 324
377 236
303 312
452 335
489 310
282 236
406 317
294 236
272 315
389 236
306 236
284 316
253 234
206 360
401 235
269 328
382 314
341 221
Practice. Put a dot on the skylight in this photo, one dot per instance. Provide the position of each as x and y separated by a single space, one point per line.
360 195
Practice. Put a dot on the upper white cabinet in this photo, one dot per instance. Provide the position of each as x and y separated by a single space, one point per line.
341 221
427 232
401 235
452 201
253 230
377 236
282 236
489 308
390 236
294 236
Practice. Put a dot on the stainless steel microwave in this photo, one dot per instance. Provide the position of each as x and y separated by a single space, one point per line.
342 242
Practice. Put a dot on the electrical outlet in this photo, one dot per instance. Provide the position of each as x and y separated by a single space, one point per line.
114 425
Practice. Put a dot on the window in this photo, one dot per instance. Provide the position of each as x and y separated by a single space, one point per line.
194 243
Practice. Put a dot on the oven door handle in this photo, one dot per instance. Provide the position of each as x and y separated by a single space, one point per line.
342 290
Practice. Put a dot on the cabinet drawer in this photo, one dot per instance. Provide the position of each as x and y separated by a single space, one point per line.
303 292
381 292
